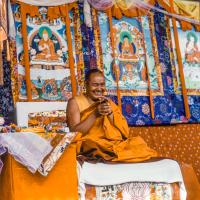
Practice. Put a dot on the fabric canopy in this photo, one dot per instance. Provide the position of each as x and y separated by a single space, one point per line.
184 12
130 8
188 8
47 2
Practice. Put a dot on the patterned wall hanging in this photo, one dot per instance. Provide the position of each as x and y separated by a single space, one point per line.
6 99
147 45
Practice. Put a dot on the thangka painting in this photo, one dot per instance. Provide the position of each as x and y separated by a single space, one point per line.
189 42
134 53
48 56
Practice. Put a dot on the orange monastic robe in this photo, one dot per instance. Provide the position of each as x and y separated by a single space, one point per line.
109 141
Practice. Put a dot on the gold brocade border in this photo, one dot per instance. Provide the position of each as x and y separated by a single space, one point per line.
172 58
78 49
155 51
14 71
97 39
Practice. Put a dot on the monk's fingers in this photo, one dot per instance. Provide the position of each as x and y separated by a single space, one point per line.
105 110
105 106
103 113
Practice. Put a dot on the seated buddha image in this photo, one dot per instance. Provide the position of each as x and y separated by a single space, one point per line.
46 47
49 90
127 48
192 52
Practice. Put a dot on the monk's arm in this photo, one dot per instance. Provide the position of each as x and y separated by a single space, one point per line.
74 119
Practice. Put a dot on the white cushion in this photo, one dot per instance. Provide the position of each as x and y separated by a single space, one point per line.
100 174
24 108
166 170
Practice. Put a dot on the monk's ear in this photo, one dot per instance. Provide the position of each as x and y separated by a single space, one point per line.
86 84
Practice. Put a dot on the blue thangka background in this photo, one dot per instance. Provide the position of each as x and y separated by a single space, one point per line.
169 108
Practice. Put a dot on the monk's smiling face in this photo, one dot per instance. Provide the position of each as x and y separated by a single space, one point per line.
95 86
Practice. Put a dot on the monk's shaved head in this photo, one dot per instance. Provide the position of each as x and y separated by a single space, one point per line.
91 72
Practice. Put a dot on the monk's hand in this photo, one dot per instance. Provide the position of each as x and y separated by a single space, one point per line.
104 108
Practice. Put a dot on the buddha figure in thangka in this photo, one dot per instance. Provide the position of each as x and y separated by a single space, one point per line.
49 89
192 52
46 46
126 47
66 88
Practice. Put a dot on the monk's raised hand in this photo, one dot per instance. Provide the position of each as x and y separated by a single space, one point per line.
104 108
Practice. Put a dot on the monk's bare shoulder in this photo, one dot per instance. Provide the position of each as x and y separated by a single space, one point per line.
72 113
72 106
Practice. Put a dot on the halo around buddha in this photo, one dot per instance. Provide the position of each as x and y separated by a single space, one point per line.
45 28
193 35
125 34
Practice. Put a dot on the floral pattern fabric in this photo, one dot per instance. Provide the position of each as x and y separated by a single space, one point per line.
128 191
49 162
45 118
51 121
6 100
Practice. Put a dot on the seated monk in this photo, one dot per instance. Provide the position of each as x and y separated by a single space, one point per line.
105 133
